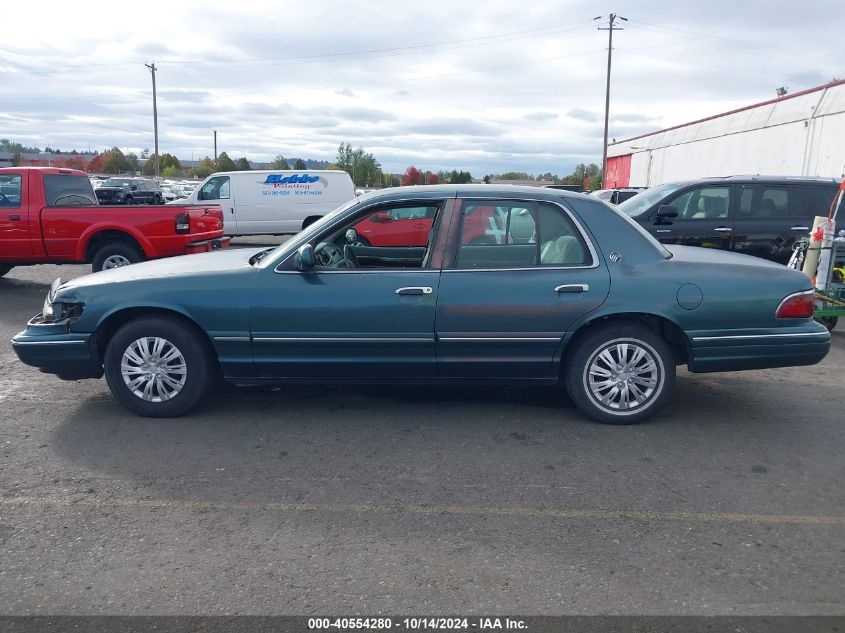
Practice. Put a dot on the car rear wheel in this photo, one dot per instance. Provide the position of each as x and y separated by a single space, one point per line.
159 367
620 373
128 200
4 268
115 255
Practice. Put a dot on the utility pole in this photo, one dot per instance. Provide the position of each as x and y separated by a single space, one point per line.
153 69
611 20
215 150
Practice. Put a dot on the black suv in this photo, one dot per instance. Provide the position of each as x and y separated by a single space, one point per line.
129 191
755 215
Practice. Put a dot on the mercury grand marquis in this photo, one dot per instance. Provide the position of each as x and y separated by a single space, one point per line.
512 285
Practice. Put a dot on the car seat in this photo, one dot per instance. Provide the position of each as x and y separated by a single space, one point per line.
565 249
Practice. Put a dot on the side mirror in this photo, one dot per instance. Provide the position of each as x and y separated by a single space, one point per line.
382 216
133 187
666 211
351 236
304 258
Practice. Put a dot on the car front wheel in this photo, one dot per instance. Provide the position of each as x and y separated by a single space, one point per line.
159 367
620 373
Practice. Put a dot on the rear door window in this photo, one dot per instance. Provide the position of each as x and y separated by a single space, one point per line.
513 234
819 199
68 190
771 201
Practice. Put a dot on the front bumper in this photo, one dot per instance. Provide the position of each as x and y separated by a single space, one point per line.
54 350
204 246
731 350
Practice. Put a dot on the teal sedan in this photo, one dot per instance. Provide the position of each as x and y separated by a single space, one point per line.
513 285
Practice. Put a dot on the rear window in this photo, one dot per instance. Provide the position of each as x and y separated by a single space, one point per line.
10 191
819 199
68 190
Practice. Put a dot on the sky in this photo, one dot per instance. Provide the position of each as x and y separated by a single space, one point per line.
482 86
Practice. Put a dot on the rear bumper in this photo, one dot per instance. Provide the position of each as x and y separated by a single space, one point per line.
204 246
54 350
732 350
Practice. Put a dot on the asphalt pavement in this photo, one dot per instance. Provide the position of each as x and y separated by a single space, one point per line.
310 500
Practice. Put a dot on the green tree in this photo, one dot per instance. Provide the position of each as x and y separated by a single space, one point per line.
243 164
299 164
115 162
171 172
224 163
280 162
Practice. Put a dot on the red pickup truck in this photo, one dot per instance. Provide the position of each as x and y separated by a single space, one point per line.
50 216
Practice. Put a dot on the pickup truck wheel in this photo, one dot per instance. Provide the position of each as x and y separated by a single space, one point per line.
621 373
159 367
128 200
4 268
114 255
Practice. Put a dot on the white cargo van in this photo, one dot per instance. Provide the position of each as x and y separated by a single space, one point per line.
264 202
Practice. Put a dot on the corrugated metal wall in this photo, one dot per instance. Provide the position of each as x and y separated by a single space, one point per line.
800 135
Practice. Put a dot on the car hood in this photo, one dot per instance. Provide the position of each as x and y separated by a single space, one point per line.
201 264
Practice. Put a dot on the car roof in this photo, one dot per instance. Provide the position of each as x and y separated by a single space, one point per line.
471 190
757 178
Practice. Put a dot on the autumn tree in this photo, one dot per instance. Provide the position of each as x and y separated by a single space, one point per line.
204 169
431 178
412 176
243 164
165 161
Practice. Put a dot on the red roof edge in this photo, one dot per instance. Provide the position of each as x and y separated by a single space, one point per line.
831 84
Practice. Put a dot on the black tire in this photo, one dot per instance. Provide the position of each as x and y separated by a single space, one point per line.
200 366
837 278
829 322
111 251
128 200
585 354
310 220
5 268
156 199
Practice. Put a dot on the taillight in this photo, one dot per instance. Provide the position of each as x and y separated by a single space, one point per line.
799 305
183 223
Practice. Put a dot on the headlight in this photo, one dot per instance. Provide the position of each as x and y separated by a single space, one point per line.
53 311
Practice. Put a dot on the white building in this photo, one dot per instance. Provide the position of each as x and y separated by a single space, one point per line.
801 134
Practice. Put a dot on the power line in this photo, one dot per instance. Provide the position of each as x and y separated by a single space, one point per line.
694 63
484 40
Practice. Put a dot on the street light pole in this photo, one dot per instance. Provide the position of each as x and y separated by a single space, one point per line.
153 69
611 19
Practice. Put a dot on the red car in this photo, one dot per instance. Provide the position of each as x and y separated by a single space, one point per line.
411 226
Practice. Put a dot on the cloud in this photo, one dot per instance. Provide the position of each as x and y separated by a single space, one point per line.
584 115
344 92
540 116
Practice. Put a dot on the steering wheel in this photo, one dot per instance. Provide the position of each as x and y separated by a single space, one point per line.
349 257
329 255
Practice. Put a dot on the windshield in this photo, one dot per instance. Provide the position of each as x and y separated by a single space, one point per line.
281 251
116 182
644 200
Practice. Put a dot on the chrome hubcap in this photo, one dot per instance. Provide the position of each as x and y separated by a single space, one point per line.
623 376
115 261
153 369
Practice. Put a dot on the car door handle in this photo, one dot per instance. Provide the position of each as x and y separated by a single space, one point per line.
723 229
799 228
414 290
15 218
572 288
